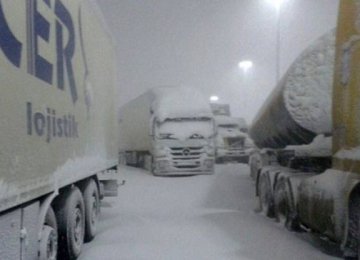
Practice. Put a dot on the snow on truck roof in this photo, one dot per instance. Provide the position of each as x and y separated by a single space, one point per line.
179 102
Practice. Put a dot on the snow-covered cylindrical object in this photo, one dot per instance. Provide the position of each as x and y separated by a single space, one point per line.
299 108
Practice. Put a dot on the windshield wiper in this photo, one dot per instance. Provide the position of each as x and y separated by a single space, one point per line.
166 136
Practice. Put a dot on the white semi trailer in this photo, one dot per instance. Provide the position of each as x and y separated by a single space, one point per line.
58 126
168 130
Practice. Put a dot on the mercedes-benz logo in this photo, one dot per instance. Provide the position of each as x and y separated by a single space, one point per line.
186 151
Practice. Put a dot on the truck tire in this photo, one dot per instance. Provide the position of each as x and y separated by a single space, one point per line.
284 211
281 203
48 244
219 160
352 245
92 208
70 215
265 196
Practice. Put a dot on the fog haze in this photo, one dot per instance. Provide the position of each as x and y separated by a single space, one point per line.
199 44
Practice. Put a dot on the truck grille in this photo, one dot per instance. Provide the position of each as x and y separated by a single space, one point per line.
186 157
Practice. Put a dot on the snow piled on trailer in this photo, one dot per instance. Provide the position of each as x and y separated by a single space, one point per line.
349 154
320 147
308 86
180 102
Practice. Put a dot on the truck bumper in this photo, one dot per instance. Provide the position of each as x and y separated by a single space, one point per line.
189 167
223 155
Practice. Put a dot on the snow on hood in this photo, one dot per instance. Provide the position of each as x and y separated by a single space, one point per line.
308 88
180 102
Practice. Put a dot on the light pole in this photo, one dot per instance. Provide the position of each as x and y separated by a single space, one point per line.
277 4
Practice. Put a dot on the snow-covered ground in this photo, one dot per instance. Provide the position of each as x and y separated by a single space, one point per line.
193 217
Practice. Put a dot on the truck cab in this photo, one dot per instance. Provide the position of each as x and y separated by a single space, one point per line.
232 141
183 145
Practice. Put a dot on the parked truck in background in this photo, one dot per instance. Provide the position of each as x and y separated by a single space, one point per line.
296 182
220 109
58 126
169 130
232 142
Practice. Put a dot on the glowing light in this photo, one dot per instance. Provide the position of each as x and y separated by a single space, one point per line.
245 65
214 98
276 3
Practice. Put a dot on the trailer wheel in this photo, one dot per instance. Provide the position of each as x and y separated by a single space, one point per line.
283 209
92 208
281 203
48 244
70 214
265 197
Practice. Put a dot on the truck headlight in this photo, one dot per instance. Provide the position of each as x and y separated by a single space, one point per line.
162 165
210 150
209 163
160 151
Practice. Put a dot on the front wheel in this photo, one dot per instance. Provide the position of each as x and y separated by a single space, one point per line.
70 214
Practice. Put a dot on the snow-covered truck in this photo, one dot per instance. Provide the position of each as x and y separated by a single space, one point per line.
299 180
232 142
220 109
58 126
168 130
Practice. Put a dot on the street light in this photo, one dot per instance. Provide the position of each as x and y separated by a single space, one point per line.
214 98
245 65
277 4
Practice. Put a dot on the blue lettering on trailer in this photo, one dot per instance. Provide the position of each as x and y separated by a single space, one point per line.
8 42
49 125
39 27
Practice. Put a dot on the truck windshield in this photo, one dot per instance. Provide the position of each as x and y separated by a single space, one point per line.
230 130
231 126
184 129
